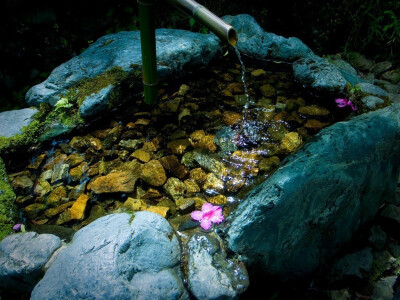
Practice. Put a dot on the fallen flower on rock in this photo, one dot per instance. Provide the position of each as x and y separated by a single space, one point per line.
343 102
17 227
208 215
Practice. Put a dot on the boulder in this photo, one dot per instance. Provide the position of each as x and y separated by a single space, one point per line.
119 256
255 42
176 50
12 121
319 74
22 257
313 204
370 89
211 275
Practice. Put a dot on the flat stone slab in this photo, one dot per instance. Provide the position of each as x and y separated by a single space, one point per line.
22 257
177 50
119 256
318 198
12 121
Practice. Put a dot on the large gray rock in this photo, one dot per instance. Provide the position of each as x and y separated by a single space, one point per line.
96 103
347 71
118 256
12 121
211 274
255 42
319 197
176 50
371 89
319 74
22 257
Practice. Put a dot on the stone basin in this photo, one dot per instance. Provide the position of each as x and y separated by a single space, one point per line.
288 225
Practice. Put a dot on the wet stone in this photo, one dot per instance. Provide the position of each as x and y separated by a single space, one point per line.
153 173
172 164
211 163
35 164
213 183
64 217
96 212
60 173
270 163
130 144
313 110
191 186
52 212
58 159
78 143
290 142
33 210
141 155
161 210
75 159
258 73
170 105
135 204
151 193
314 124
174 188
77 210
117 182
55 197
199 139
198 175
42 188
178 147
96 144
185 205
112 136
218 200
267 90
230 118
76 191
22 185
77 173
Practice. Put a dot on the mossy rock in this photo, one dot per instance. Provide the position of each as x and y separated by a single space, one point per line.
7 207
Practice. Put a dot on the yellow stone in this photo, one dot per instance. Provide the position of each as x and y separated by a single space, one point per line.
141 155
199 139
267 164
198 175
313 110
178 147
258 72
219 200
191 186
153 173
96 144
142 122
78 208
161 210
290 142
135 204
267 90
314 124
230 118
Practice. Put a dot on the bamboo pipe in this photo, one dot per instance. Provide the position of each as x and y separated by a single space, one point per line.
220 28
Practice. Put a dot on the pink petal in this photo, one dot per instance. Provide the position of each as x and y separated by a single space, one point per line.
217 217
341 105
197 215
207 207
341 101
206 224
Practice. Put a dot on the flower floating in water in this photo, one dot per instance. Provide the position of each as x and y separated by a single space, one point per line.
344 102
17 227
207 215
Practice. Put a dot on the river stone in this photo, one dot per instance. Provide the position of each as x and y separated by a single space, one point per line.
116 182
211 274
255 42
319 74
320 196
370 89
119 256
347 71
12 121
176 50
372 101
22 257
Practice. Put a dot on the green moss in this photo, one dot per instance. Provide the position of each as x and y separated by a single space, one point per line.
7 208
86 87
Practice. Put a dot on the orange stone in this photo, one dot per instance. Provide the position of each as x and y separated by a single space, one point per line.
78 208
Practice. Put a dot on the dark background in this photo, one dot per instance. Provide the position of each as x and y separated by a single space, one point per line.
37 36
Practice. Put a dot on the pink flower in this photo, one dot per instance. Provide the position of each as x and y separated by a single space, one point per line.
207 215
17 227
344 102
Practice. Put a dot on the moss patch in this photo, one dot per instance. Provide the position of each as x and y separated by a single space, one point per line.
7 208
